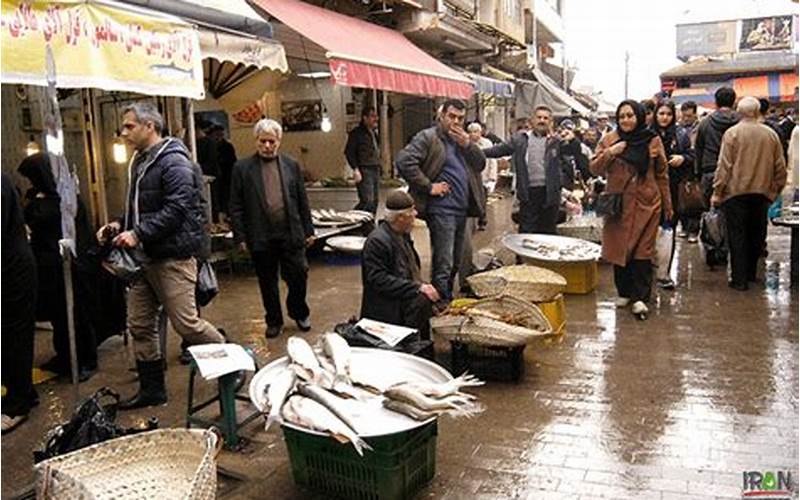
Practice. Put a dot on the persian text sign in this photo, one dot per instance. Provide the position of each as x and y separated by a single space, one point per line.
101 46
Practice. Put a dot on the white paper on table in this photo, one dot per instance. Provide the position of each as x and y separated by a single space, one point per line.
215 360
391 334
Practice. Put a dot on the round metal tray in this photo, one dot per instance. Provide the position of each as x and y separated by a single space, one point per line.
346 244
514 243
382 368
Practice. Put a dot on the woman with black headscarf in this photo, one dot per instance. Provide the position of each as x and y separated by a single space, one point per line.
43 217
632 160
680 160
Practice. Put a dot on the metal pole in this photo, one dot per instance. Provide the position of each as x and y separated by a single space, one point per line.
66 258
627 59
386 153
190 126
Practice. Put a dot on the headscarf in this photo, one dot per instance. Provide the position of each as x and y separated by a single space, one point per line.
37 169
669 132
637 149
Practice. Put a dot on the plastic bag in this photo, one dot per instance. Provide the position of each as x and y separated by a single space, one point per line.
713 238
664 244
775 209
207 286
124 263
92 423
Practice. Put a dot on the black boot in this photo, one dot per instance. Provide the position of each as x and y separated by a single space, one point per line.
151 386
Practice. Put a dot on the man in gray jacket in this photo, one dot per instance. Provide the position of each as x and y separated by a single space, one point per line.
443 170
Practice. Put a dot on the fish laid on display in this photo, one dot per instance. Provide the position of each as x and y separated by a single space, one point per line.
329 401
306 412
338 351
408 410
277 392
455 405
449 388
307 364
578 250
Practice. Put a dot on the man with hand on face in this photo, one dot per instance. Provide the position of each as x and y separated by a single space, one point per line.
390 271
443 169
164 217
537 161
271 219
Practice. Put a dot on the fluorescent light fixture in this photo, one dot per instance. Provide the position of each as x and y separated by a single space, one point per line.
315 74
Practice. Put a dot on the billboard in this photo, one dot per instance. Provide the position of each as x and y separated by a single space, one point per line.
705 39
766 33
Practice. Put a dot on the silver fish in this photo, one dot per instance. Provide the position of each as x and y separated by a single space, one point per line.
171 72
329 401
339 351
277 392
306 412
302 355
449 388
455 405
408 410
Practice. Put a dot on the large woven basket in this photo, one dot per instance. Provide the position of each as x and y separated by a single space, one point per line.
160 464
480 330
525 282
513 311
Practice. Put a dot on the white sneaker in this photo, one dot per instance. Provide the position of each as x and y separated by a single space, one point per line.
10 423
692 238
639 308
621 302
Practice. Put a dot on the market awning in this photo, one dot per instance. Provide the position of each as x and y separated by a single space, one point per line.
106 45
493 86
237 49
545 92
362 54
236 15
774 86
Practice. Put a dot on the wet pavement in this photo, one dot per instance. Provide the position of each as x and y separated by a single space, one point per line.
676 407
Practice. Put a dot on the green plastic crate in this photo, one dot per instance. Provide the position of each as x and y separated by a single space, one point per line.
398 466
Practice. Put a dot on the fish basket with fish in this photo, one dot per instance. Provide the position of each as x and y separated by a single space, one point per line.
531 283
397 467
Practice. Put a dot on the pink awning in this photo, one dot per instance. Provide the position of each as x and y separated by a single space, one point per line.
362 54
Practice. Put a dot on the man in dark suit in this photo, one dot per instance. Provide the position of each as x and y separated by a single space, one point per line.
271 219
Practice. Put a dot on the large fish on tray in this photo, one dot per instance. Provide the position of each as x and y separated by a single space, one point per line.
305 412
277 393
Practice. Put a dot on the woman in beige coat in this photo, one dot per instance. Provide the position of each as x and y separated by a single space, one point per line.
633 161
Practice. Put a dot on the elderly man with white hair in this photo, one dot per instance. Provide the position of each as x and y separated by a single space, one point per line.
751 173
271 219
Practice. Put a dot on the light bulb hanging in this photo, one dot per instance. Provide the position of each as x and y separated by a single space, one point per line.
32 147
119 150
325 125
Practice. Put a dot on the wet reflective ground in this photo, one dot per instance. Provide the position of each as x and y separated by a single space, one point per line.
678 406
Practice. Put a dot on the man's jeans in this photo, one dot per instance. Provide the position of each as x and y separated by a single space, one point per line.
368 189
447 246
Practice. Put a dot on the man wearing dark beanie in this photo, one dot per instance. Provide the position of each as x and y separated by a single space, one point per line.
390 271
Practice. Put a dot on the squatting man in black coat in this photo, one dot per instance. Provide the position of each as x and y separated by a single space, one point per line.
164 218
390 271
271 219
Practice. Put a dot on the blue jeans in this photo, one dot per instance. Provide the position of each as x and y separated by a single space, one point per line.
447 246
368 189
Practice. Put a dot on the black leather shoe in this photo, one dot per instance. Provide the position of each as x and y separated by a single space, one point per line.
742 287
303 324
143 400
151 386
273 331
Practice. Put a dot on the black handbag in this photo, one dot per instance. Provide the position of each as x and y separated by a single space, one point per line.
207 286
92 423
609 205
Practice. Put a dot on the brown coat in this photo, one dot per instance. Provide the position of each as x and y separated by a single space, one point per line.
750 162
633 235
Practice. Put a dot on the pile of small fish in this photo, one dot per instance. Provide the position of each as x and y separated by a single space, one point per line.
326 216
576 250
313 392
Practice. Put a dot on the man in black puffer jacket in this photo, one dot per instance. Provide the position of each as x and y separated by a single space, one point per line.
164 217
709 138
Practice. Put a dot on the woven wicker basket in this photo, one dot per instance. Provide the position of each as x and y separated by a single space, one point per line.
513 311
525 282
480 330
161 464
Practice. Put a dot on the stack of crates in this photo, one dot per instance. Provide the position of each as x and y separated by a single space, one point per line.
556 314
396 468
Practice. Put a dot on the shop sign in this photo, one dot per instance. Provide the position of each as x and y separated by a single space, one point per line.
100 45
